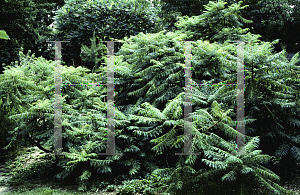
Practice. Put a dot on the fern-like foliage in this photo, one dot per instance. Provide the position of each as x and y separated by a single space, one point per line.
219 22
84 124
149 120
217 167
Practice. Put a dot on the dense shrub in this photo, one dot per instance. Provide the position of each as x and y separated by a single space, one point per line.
27 23
111 20
84 114
149 115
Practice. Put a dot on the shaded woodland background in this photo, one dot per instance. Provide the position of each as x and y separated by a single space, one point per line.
149 72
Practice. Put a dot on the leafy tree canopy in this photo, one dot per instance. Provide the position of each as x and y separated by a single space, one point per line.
111 20
27 23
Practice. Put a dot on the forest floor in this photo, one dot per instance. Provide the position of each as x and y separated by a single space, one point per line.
49 187
292 182
40 187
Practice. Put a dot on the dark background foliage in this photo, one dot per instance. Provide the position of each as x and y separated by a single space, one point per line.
272 19
78 19
27 24
151 73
